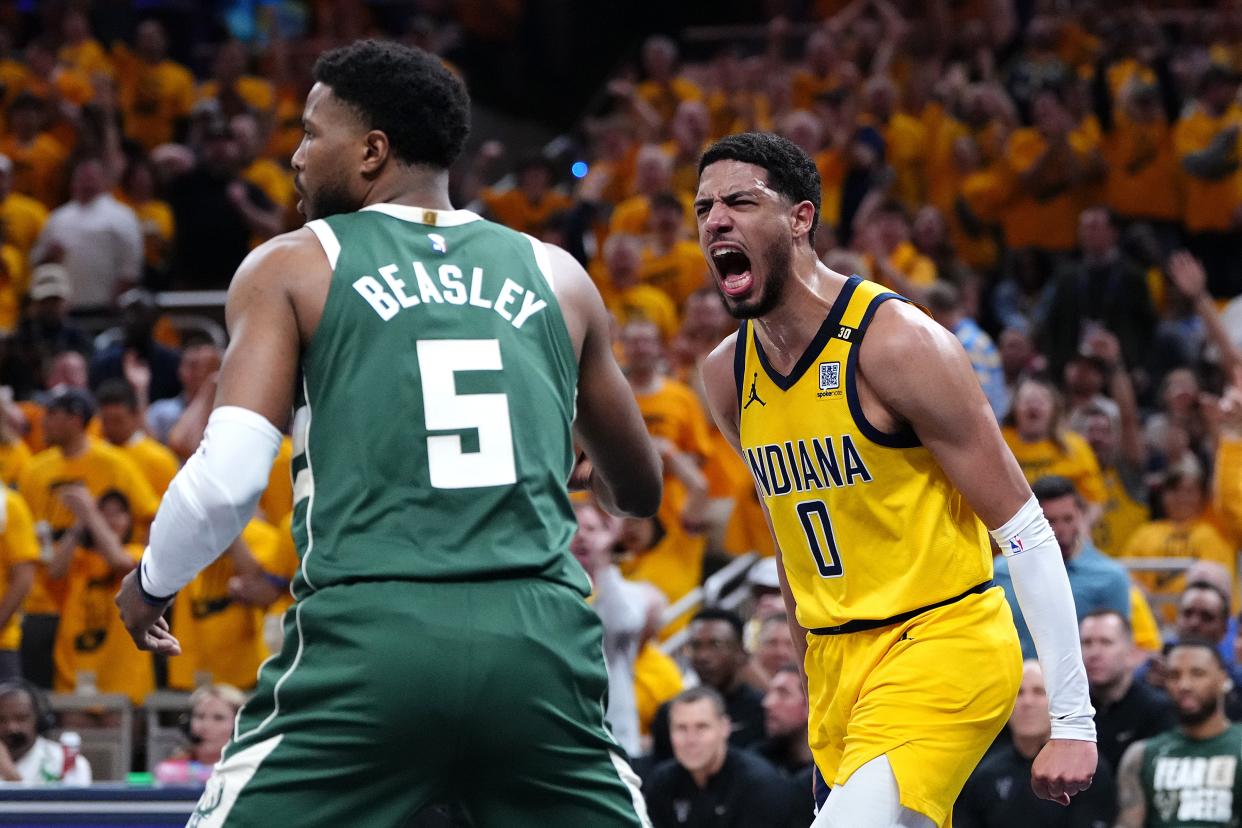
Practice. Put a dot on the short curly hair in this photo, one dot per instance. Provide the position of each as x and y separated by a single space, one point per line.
791 172
405 93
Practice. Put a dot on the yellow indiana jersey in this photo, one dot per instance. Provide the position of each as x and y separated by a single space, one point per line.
868 524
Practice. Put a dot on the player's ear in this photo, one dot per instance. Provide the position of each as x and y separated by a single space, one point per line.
375 151
802 217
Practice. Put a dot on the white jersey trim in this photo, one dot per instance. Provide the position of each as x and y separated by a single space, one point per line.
327 240
542 260
424 215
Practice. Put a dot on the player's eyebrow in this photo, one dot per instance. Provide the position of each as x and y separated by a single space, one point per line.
727 198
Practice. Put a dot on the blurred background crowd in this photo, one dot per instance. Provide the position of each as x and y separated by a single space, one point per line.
1058 183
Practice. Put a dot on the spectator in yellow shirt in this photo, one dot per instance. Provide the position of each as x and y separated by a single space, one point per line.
625 296
1206 140
896 262
19 555
820 70
221 635
653 174
905 140
91 557
233 89
274 179
527 206
155 217
156 93
1051 164
74 458
1184 532
671 261
663 88
1037 436
79 50
1143 180
38 158
23 218
121 421
689 131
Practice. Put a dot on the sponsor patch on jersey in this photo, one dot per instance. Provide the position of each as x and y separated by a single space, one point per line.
829 376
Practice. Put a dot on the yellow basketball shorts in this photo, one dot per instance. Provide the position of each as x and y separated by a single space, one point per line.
931 693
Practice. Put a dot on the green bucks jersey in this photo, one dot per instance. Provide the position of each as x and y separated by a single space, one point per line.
432 435
1193 784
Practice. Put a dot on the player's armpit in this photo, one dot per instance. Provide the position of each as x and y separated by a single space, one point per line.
920 373
260 365
1131 804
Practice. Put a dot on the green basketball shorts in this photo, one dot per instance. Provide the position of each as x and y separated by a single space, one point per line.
391 695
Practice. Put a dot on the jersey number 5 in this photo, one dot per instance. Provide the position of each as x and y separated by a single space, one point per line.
446 410
811 512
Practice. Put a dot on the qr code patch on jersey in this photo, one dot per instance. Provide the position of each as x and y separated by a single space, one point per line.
829 376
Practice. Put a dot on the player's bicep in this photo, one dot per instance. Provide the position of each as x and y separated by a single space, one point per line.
260 364
920 371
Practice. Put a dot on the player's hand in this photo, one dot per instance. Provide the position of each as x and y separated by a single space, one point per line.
1063 768
144 622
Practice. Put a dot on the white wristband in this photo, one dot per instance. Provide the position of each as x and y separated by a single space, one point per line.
211 499
1043 592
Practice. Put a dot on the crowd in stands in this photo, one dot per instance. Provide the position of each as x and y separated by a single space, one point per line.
1059 184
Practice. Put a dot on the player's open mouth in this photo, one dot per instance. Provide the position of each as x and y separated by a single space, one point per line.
734 268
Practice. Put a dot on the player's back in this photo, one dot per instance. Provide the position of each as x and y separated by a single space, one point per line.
432 438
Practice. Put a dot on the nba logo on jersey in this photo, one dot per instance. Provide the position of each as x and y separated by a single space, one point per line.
1015 546
437 243
829 376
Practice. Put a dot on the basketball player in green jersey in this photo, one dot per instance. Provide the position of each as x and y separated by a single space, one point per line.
442 368
1188 777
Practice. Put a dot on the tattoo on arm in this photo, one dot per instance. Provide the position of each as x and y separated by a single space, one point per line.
1131 803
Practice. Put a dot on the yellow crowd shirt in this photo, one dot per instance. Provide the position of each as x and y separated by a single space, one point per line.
218 635
1197 539
868 524
1122 514
91 637
18 545
101 468
1073 460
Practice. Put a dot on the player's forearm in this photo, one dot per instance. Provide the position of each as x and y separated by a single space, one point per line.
1043 591
210 500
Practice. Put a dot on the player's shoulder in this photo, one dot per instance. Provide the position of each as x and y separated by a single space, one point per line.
280 260
901 332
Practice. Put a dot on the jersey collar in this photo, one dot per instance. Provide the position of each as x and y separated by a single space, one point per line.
424 215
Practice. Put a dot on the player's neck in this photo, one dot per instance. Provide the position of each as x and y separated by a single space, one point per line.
809 294
1209 729
412 187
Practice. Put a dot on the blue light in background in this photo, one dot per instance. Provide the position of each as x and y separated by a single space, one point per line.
579 169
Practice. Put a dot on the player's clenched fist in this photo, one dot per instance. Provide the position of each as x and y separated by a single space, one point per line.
1063 768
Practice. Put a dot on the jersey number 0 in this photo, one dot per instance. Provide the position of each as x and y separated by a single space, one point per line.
812 512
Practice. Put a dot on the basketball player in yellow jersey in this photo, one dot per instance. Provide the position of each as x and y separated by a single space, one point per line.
879 464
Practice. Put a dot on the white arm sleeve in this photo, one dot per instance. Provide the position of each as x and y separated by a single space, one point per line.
1043 592
210 500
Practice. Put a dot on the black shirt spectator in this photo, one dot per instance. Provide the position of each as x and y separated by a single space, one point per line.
718 658
1101 288
214 211
138 314
709 783
999 795
1126 710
